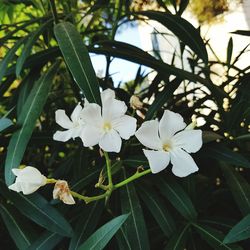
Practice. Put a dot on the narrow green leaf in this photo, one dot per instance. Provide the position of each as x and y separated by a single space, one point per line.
177 197
104 234
36 208
9 58
27 119
77 58
213 237
158 210
182 29
16 228
229 51
47 241
5 123
241 231
86 224
135 161
28 46
135 227
178 240
239 187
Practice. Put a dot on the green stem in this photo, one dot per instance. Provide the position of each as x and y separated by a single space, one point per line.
108 165
89 199
53 9
132 178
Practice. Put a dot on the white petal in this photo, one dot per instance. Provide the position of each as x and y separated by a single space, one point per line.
16 171
15 187
111 142
76 113
126 126
189 140
76 132
63 135
148 135
91 114
62 119
183 163
113 109
170 123
31 175
158 160
106 95
91 135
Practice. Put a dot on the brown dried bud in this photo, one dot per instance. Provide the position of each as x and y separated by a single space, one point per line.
61 191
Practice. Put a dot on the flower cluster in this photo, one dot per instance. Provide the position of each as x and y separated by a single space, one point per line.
167 140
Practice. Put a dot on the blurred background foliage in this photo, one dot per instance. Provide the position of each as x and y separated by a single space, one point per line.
201 211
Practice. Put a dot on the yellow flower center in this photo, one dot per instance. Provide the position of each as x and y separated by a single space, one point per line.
107 126
166 147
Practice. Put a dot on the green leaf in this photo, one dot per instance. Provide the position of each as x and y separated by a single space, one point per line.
229 51
177 197
178 240
16 227
135 161
77 58
222 153
241 231
28 46
5 123
239 187
36 208
103 235
135 227
9 57
86 224
27 120
182 29
213 237
158 210
47 241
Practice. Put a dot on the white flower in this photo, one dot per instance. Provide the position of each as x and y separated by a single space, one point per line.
106 125
169 143
61 191
73 126
28 180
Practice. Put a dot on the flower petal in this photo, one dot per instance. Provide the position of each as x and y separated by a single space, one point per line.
148 135
158 160
111 142
125 125
76 113
62 119
91 135
183 163
91 114
106 95
170 123
62 135
189 140
15 187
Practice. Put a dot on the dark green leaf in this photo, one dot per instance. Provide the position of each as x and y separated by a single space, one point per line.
229 51
27 119
28 46
239 187
36 208
182 29
86 224
177 197
158 210
17 229
103 235
178 240
134 228
77 58
241 231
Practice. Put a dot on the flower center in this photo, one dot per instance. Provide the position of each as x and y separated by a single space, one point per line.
166 147
107 126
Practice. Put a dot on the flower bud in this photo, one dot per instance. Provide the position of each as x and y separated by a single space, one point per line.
61 191
135 102
28 180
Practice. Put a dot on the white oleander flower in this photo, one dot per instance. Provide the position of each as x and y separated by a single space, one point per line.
170 141
28 180
73 126
106 125
62 192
